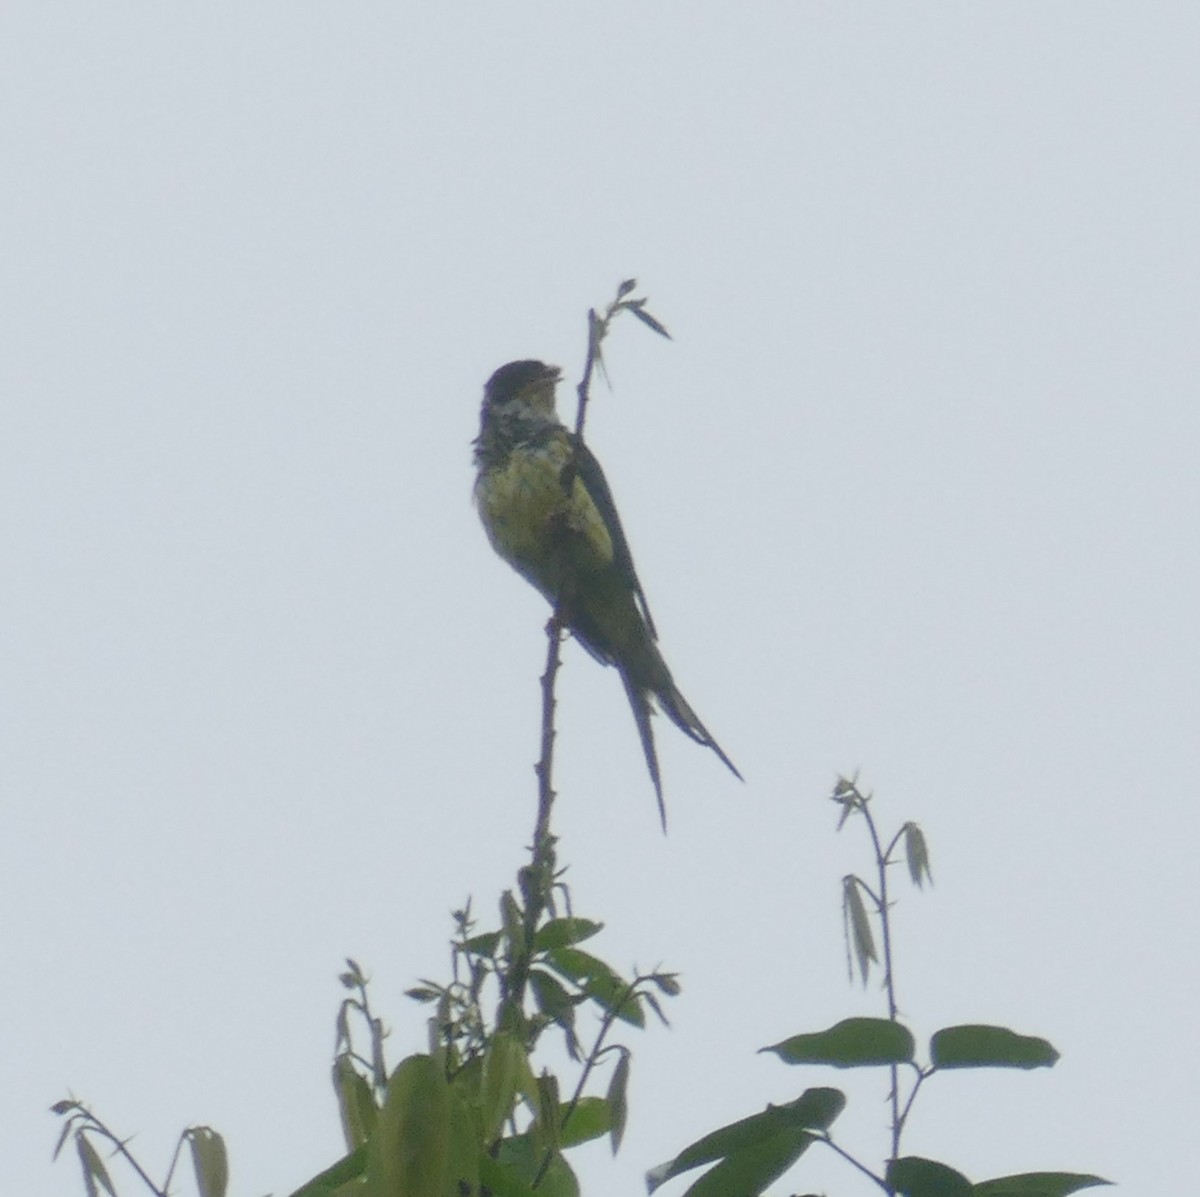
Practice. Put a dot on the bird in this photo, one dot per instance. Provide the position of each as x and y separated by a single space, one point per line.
548 511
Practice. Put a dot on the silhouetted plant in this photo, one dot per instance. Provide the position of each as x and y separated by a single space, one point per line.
754 1152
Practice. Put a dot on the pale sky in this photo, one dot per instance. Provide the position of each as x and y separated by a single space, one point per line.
913 490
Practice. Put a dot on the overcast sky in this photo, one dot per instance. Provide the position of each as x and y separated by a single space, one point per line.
913 490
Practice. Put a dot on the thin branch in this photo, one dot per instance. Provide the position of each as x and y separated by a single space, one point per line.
889 981
610 1017
597 330
174 1162
912 1096
824 1138
545 765
606 1025
95 1126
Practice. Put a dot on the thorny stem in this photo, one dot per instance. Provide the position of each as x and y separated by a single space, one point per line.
537 878
545 765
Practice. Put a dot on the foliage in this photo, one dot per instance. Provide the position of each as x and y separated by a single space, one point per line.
209 1161
753 1152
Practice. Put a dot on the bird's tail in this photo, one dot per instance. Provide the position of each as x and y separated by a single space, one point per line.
679 711
681 714
640 704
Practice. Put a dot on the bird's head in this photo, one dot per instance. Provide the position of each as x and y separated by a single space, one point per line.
518 407
522 390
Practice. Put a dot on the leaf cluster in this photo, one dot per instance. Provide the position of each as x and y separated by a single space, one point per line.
752 1153
210 1163
475 1113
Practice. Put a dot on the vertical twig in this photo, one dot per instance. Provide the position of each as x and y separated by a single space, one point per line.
597 331
545 766
537 877
883 860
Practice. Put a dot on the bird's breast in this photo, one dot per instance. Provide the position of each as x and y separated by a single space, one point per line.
533 523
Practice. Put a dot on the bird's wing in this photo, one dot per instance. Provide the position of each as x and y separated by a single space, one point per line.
592 476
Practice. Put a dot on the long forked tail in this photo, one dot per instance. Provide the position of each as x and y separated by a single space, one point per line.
640 704
681 714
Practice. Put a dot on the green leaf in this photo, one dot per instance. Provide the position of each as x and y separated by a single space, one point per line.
356 1104
512 921
916 851
590 1119
519 1163
552 998
466 1140
93 1168
858 925
653 1002
1038 1184
618 1101
851 1043
599 982
547 1124
483 944
409 1152
913 1176
209 1160
503 1180
627 286
667 983
422 993
649 321
813 1110
63 1135
348 1169
505 1072
561 933
973 1046
747 1173
559 1180
556 1004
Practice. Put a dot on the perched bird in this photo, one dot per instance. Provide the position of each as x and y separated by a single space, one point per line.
548 512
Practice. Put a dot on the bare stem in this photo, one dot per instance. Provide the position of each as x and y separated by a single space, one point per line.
889 980
545 765
824 1138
